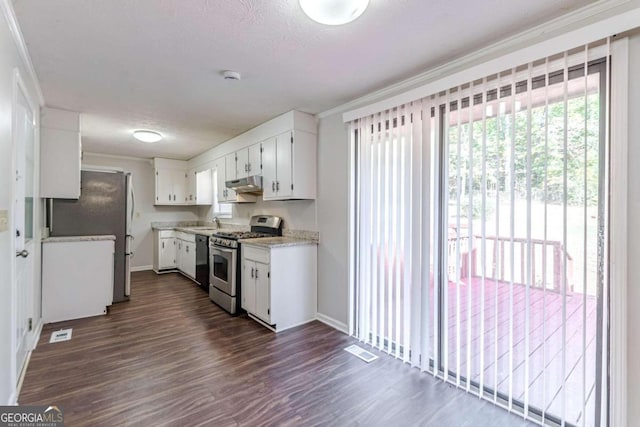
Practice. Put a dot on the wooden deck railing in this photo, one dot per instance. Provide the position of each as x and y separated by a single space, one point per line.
547 261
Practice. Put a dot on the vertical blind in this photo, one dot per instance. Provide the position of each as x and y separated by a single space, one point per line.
480 236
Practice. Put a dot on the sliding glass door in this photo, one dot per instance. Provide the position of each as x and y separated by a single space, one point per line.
480 236
521 289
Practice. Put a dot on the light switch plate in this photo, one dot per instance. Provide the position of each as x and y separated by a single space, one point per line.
4 220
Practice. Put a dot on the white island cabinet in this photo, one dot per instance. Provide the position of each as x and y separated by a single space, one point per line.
77 277
279 284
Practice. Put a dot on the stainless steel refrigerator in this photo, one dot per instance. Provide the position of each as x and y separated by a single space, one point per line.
105 207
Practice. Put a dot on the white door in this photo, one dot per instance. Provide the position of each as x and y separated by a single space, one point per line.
23 220
164 186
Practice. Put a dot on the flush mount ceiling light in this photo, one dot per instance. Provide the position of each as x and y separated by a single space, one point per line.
147 135
333 12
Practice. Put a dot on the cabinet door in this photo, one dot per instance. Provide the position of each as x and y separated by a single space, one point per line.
242 163
164 186
189 259
179 187
255 160
284 167
231 171
179 257
167 253
263 292
269 176
60 154
248 286
191 187
204 187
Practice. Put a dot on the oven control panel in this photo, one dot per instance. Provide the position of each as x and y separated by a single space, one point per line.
227 243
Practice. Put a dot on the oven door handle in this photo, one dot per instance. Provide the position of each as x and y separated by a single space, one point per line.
228 251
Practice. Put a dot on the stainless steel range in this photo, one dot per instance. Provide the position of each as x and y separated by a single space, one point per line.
224 257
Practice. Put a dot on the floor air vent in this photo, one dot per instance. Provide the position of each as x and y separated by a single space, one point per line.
61 335
361 353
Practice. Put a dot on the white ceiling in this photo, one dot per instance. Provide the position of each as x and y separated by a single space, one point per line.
128 64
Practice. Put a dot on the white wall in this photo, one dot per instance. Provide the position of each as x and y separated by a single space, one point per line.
9 60
142 172
297 214
333 217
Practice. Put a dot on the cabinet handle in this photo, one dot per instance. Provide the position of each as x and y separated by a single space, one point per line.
249 166
246 167
174 197
169 196
256 273
187 248
277 185
252 272
273 186
162 245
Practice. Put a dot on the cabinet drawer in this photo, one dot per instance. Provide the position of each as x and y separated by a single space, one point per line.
166 233
186 237
255 254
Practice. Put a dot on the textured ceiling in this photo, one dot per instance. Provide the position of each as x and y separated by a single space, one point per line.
128 64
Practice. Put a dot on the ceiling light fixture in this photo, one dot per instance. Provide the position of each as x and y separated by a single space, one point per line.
231 75
147 135
333 12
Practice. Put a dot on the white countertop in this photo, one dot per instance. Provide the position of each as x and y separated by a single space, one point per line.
277 242
78 239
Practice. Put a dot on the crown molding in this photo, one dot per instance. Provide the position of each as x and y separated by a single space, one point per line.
535 34
116 156
21 46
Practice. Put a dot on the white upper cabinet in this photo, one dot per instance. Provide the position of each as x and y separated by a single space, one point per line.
227 195
289 166
255 160
60 154
171 182
231 167
242 163
248 161
204 187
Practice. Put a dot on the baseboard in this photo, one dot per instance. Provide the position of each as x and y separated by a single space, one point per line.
142 268
13 399
23 373
330 321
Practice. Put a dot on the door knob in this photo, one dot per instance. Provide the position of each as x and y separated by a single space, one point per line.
23 253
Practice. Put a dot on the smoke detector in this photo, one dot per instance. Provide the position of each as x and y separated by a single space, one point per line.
231 75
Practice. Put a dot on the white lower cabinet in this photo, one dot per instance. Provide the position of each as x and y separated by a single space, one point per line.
186 254
175 250
279 284
167 253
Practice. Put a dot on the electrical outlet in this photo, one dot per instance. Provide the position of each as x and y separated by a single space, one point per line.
4 220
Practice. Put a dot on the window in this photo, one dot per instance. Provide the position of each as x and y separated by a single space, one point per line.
221 210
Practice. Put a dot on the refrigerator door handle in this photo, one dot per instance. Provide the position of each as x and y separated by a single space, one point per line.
50 216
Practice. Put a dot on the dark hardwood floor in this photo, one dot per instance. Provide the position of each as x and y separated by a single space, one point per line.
171 357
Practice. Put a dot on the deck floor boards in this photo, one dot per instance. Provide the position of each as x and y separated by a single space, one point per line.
545 339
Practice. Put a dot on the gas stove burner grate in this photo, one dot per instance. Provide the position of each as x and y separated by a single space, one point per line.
241 235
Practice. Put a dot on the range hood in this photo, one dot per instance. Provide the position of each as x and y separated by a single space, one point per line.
250 184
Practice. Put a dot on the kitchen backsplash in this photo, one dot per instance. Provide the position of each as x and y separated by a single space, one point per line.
298 234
